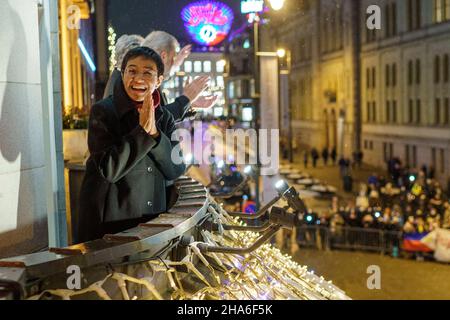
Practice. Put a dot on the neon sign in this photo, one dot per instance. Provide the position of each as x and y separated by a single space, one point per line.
252 6
207 22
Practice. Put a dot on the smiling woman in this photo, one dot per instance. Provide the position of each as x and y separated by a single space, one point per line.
130 147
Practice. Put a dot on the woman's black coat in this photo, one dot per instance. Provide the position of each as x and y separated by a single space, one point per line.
128 170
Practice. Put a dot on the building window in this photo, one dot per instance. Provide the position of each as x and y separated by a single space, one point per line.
188 66
368 76
374 78
388 76
414 14
220 66
374 111
447 111
207 66
197 66
418 14
394 75
437 112
437 69
407 156
369 112
388 111
433 158
447 9
411 111
446 66
418 111
394 111
231 90
414 156
410 15
438 11
442 160
410 72
418 72
394 18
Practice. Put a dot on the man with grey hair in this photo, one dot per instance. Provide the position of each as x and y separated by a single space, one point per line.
167 46
124 44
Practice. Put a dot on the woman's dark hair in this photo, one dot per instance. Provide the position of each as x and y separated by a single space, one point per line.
146 53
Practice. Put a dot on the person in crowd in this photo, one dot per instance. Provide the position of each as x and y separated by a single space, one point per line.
410 226
124 44
373 179
314 156
131 158
167 46
360 157
305 159
333 155
342 167
446 219
325 156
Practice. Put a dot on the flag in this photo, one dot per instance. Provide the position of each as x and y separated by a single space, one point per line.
412 242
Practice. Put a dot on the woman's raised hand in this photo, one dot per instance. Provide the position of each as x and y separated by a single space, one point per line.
147 116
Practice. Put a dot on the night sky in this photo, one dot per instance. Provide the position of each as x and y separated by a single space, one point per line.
143 16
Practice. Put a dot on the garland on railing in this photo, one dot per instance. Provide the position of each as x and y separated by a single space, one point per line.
265 274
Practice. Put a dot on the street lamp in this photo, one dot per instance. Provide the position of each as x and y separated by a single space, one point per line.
276 4
281 53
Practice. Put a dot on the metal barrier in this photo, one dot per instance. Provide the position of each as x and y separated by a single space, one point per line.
349 238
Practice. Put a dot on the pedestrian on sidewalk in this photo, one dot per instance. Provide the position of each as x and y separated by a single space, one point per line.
334 155
360 156
314 156
305 159
342 166
325 155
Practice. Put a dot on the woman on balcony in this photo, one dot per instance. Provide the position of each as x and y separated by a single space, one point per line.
131 152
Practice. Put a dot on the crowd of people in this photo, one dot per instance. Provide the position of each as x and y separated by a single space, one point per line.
406 203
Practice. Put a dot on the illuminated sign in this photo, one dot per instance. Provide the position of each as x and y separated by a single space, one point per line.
207 22
252 6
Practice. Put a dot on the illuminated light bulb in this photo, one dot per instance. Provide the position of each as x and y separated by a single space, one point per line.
277 4
281 53
280 184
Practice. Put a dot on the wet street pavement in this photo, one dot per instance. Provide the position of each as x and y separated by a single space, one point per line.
400 278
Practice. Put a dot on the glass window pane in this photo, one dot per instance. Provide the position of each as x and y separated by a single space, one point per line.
188 66
197 66
207 66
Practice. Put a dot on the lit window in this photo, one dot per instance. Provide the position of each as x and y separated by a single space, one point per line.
188 66
207 66
231 90
197 66
220 66
220 82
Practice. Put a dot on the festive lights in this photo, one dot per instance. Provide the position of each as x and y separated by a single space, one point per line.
207 22
112 48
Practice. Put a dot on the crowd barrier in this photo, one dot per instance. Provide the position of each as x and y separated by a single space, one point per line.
350 238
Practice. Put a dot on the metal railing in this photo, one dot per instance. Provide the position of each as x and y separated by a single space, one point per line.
349 238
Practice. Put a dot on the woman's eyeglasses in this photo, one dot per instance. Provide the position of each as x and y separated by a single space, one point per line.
147 75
